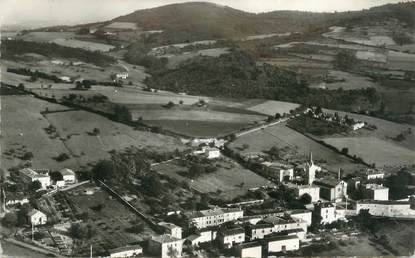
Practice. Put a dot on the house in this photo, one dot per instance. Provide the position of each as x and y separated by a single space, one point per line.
281 171
202 236
284 223
57 62
229 237
277 244
259 231
120 76
165 246
37 217
249 250
171 229
332 189
300 233
29 175
213 217
357 125
328 212
374 174
397 209
126 251
60 183
65 79
377 192
304 215
68 175
212 153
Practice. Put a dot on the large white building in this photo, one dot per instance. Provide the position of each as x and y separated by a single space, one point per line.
282 172
312 190
37 217
68 175
202 236
377 192
396 209
304 215
126 251
278 244
165 246
372 173
29 175
214 217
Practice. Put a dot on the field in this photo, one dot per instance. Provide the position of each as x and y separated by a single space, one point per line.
23 131
347 81
72 135
75 128
65 39
374 150
282 136
177 59
110 222
271 107
229 181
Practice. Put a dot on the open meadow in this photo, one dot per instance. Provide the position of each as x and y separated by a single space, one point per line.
281 136
229 181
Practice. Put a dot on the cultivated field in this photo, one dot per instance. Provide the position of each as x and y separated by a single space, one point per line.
282 136
347 81
271 107
229 181
87 45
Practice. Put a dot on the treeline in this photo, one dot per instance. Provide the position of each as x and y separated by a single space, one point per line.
237 75
11 48
34 75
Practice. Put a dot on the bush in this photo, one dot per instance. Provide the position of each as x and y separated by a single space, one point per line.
61 157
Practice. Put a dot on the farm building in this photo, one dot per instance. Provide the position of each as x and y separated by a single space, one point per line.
332 189
37 217
65 78
212 153
229 237
171 229
386 208
68 175
377 192
123 76
29 175
126 251
249 250
165 245
374 174
214 217
277 244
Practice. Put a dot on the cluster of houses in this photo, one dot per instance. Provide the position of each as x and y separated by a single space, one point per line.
335 118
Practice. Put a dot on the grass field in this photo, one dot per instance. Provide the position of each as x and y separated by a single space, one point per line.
271 107
348 81
374 150
229 181
282 136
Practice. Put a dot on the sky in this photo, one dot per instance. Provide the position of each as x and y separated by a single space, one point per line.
83 11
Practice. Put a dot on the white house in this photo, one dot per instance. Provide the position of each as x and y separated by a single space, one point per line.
123 76
126 251
277 244
304 215
213 217
68 175
259 231
249 250
228 238
357 126
65 78
165 246
37 217
202 236
29 175
374 174
377 192
171 229
329 213
212 153
282 172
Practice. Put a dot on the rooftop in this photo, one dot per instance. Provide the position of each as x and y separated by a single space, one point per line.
328 182
168 225
375 187
125 248
66 172
33 212
233 231
164 239
250 244
390 202
31 173
280 238
211 212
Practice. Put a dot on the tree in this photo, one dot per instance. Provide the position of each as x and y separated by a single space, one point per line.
305 199
96 131
345 150
27 155
9 220
56 176
82 231
35 185
103 170
122 114
21 87
277 116
152 185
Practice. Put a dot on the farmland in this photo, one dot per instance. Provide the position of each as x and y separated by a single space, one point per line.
229 181
282 137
